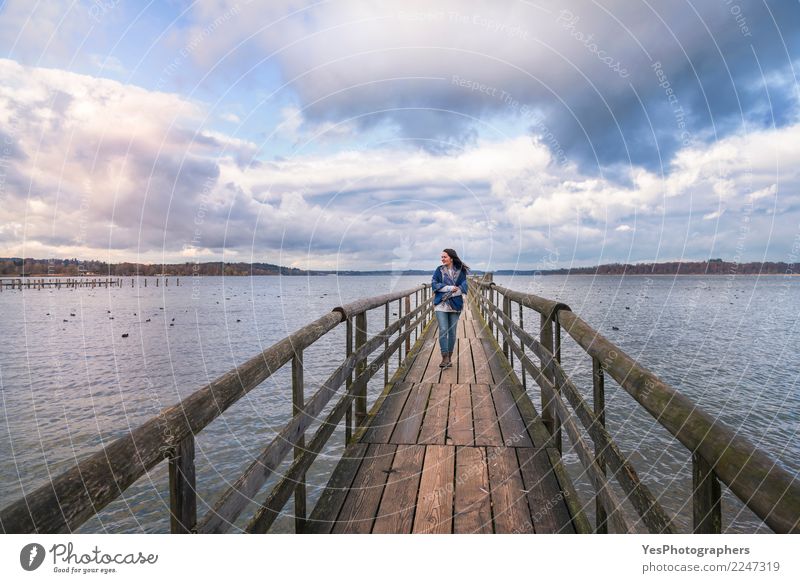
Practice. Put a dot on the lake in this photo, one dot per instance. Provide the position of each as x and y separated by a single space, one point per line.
71 383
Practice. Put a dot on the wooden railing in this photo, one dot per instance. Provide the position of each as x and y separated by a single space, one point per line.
717 451
69 500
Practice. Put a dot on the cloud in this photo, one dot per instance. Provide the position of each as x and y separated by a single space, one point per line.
617 83
44 31
97 165
108 64
97 168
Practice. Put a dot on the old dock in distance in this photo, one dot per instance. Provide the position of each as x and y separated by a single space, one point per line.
455 450
33 282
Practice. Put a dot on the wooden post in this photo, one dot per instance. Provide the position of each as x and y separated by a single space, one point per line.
408 338
348 421
706 509
521 325
488 309
549 413
386 347
400 348
599 405
182 492
298 402
361 367
507 335
416 305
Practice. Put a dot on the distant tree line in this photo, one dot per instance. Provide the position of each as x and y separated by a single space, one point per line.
16 266
711 267
76 267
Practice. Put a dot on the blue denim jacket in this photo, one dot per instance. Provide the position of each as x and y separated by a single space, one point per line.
436 284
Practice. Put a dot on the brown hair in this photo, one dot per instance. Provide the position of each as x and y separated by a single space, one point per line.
457 260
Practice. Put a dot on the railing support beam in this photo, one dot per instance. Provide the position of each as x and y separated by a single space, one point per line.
599 406
706 495
549 412
298 403
361 365
182 492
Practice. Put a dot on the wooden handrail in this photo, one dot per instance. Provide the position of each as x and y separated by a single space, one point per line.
759 481
67 501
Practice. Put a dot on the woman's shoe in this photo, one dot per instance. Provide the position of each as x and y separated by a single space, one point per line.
447 361
445 358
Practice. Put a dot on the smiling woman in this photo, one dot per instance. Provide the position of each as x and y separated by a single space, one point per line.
450 284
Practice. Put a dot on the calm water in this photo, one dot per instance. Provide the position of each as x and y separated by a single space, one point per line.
69 387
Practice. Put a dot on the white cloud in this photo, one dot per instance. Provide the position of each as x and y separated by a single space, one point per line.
230 117
108 64
85 153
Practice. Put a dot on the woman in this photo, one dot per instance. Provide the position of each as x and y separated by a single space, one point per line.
450 284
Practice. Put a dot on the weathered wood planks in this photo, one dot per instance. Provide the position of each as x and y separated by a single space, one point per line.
444 456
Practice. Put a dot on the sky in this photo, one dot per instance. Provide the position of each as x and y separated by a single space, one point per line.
361 135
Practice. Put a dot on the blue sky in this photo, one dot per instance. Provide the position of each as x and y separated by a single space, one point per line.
339 134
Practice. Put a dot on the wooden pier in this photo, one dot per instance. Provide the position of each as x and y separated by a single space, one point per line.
20 283
456 450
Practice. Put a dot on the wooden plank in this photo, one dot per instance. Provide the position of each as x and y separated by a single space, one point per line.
407 428
487 428
361 505
450 374
511 512
466 370
483 373
435 498
549 512
512 426
382 424
330 502
434 424
396 511
473 504
432 372
459 420
416 371
469 329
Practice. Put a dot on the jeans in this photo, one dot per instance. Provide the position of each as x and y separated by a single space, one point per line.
447 329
